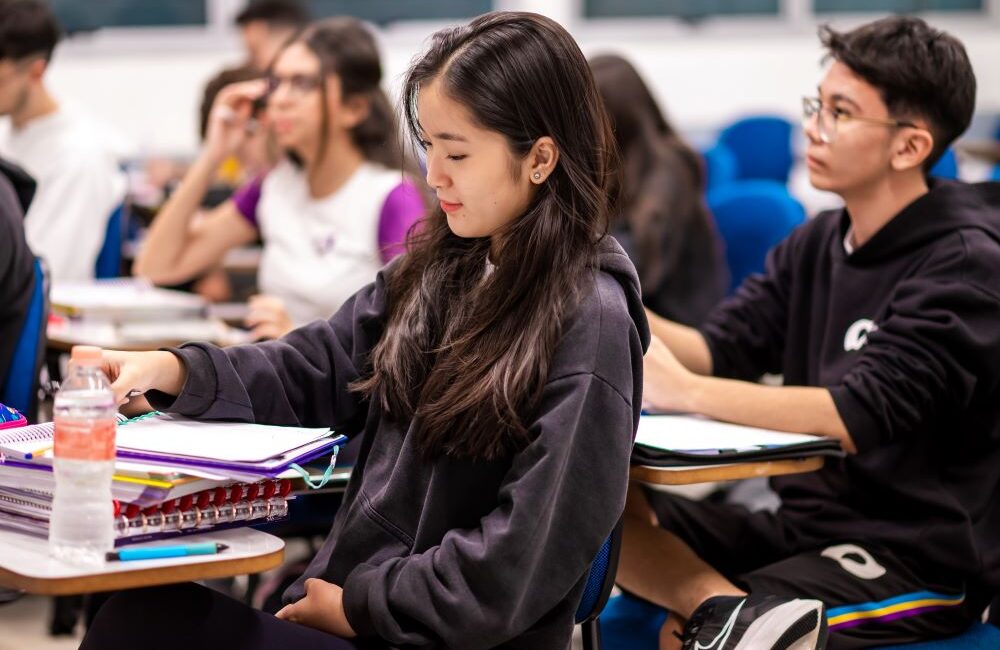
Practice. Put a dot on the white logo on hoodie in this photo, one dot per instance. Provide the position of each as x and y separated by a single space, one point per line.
857 334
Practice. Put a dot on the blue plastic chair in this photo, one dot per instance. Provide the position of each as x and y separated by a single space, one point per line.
752 216
762 145
600 580
995 176
109 259
20 386
721 167
947 166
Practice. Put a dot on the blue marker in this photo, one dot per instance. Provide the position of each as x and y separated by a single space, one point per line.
160 552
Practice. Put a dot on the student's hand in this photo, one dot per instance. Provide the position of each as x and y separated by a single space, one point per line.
268 318
142 371
666 384
322 608
230 122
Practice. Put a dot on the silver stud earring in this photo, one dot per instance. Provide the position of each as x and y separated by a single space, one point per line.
537 175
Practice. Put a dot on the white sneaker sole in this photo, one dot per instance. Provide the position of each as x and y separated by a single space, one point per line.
768 629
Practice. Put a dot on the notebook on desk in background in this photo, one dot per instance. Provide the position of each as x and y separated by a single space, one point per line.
692 440
124 300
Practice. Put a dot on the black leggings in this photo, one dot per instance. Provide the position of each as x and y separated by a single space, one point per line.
191 617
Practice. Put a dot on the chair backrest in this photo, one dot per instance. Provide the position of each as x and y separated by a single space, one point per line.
109 259
721 167
20 386
947 166
752 216
762 145
601 577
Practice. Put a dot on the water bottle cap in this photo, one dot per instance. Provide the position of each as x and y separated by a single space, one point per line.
87 355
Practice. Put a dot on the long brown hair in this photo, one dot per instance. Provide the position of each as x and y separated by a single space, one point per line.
650 148
345 47
466 354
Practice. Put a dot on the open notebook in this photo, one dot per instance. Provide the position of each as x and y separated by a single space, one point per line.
688 440
176 440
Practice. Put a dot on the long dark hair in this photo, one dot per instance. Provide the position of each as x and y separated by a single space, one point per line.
345 47
657 166
466 354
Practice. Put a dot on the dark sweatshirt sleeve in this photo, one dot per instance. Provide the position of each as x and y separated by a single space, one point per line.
558 502
301 379
746 333
938 347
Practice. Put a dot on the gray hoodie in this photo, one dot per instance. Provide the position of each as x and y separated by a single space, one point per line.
454 553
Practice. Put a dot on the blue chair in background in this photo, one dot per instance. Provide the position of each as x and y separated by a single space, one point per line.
980 636
109 260
762 145
752 216
995 176
721 167
947 166
20 386
600 580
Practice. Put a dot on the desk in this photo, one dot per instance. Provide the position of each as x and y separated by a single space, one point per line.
26 565
729 472
63 334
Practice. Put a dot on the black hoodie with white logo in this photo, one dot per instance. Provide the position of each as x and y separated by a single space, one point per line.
905 333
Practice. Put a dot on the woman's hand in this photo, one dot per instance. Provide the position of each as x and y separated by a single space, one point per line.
322 608
231 120
268 318
142 371
666 384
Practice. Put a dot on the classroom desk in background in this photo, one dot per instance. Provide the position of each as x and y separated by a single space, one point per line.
64 333
727 472
25 564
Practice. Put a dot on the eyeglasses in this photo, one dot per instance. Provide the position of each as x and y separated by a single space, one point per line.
299 85
830 117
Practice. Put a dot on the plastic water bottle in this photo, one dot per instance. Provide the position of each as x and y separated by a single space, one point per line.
82 527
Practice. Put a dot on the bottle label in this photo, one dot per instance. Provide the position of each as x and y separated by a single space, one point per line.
84 439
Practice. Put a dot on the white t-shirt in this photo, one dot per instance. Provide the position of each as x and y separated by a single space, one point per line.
319 252
79 186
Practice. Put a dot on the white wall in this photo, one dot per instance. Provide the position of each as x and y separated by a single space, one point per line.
149 87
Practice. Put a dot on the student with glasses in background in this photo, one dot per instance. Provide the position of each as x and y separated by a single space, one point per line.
329 214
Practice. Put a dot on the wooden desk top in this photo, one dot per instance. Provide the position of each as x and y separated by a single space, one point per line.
25 563
63 334
731 472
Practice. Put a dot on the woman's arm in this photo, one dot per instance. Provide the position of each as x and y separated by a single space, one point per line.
175 250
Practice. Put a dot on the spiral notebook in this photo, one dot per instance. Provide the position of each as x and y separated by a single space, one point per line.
178 441
29 510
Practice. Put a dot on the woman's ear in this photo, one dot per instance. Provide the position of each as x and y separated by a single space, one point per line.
912 147
353 111
542 159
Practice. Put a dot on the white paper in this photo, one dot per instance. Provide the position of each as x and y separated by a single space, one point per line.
223 441
695 433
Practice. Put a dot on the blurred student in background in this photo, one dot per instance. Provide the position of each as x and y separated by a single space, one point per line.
17 269
330 213
265 25
662 220
79 181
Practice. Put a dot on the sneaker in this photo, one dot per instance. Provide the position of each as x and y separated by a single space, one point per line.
756 622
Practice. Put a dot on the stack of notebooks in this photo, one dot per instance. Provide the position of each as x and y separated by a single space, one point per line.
691 440
172 476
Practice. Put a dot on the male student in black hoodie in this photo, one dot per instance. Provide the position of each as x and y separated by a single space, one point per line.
884 318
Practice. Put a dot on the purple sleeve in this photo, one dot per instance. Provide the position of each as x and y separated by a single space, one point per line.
246 199
402 208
